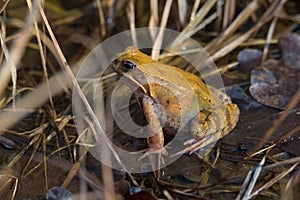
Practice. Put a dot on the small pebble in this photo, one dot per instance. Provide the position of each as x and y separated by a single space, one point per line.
58 193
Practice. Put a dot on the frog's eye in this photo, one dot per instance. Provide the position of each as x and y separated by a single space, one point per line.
128 66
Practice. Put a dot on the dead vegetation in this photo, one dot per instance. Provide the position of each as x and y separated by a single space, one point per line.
42 45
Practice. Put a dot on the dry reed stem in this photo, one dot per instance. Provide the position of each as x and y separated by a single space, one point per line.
131 17
267 16
227 7
250 181
154 20
110 14
159 39
196 23
101 18
239 20
219 20
269 37
182 11
229 11
282 163
194 10
5 3
199 17
273 181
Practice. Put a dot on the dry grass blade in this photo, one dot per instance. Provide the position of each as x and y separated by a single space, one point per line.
288 190
219 20
194 10
274 8
5 3
269 37
43 141
13 69
35 141
108 180
282 163
242 17
229 11
33 100
78 89
18 48
153 21
159 39
131 17
250 181
110 14
8 183
43 60
199 17
273 181
182 11
45 166
101 18
73 171
196 23
293 102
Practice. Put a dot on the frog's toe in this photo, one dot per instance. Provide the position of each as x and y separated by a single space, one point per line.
195 144
191 141
150 152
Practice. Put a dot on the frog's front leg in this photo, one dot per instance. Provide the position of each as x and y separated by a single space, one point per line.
155 136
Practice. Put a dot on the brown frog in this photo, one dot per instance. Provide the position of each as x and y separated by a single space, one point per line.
172 98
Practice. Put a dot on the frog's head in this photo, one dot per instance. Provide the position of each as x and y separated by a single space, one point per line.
129 65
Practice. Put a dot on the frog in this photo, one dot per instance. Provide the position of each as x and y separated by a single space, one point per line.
171 98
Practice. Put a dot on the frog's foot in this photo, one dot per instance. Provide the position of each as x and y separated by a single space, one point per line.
195 144
151 152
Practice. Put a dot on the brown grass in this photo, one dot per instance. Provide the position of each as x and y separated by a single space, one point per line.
40 56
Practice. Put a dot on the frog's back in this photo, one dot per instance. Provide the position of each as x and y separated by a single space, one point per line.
205 96
170 75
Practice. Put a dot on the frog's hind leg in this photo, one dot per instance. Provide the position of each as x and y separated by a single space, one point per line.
208 127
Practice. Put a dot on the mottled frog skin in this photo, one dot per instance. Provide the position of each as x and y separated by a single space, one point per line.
171 97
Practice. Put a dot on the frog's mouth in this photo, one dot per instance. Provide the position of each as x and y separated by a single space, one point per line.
129 80
132 83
